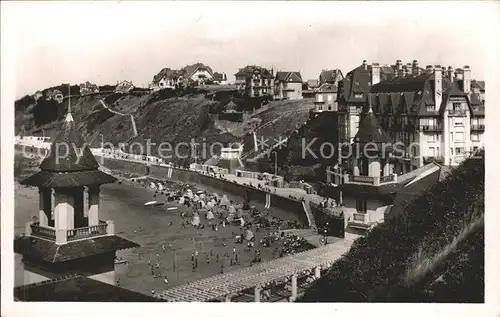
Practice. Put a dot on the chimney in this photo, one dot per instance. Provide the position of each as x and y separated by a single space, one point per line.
467 79
365 65
429 68
451 73
459 74
415 70
375 73
438 85
408 69
399 64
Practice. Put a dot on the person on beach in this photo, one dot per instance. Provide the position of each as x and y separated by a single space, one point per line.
165 280
163 248
217 258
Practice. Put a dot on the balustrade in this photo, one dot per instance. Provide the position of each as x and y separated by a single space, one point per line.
72 234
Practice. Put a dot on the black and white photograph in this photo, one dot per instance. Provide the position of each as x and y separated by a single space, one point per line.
248 152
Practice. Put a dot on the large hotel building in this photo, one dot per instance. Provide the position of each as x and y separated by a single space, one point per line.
436 113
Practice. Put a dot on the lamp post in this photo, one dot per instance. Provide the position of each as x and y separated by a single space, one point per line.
326 231
275 163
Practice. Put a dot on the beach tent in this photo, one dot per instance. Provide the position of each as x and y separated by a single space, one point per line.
196 220
248 235
224 201
210 204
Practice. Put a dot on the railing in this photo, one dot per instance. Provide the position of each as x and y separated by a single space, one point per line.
361 179
431 128
387 179
369 180
359 221
43 232
477 127
85 232
457 112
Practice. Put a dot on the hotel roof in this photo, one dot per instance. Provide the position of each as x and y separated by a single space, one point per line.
48 251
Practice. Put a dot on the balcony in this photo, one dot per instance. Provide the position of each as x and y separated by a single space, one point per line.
63 236
369 180
457 112
359 221
477 127
431 128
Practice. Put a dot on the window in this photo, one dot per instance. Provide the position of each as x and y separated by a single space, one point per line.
474 121
361 205
432 151
320 107
432 138
458 120
451 151
330 97
457 106
329 107
459 150
474 137
431 108
319 98
358 95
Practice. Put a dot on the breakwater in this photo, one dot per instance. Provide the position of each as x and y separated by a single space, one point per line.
178 174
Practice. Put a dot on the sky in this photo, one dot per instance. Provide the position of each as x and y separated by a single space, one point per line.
103 42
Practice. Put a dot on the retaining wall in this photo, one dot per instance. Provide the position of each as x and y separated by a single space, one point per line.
161 172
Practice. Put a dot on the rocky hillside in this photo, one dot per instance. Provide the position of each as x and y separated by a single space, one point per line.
165 116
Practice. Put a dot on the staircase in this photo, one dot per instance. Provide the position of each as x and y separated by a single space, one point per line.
309 214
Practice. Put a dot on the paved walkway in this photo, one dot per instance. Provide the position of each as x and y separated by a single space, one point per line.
230 284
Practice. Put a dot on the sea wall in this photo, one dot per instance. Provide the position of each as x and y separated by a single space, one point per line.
165 172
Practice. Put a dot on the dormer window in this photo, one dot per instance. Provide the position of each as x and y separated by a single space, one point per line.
358 95
431 108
